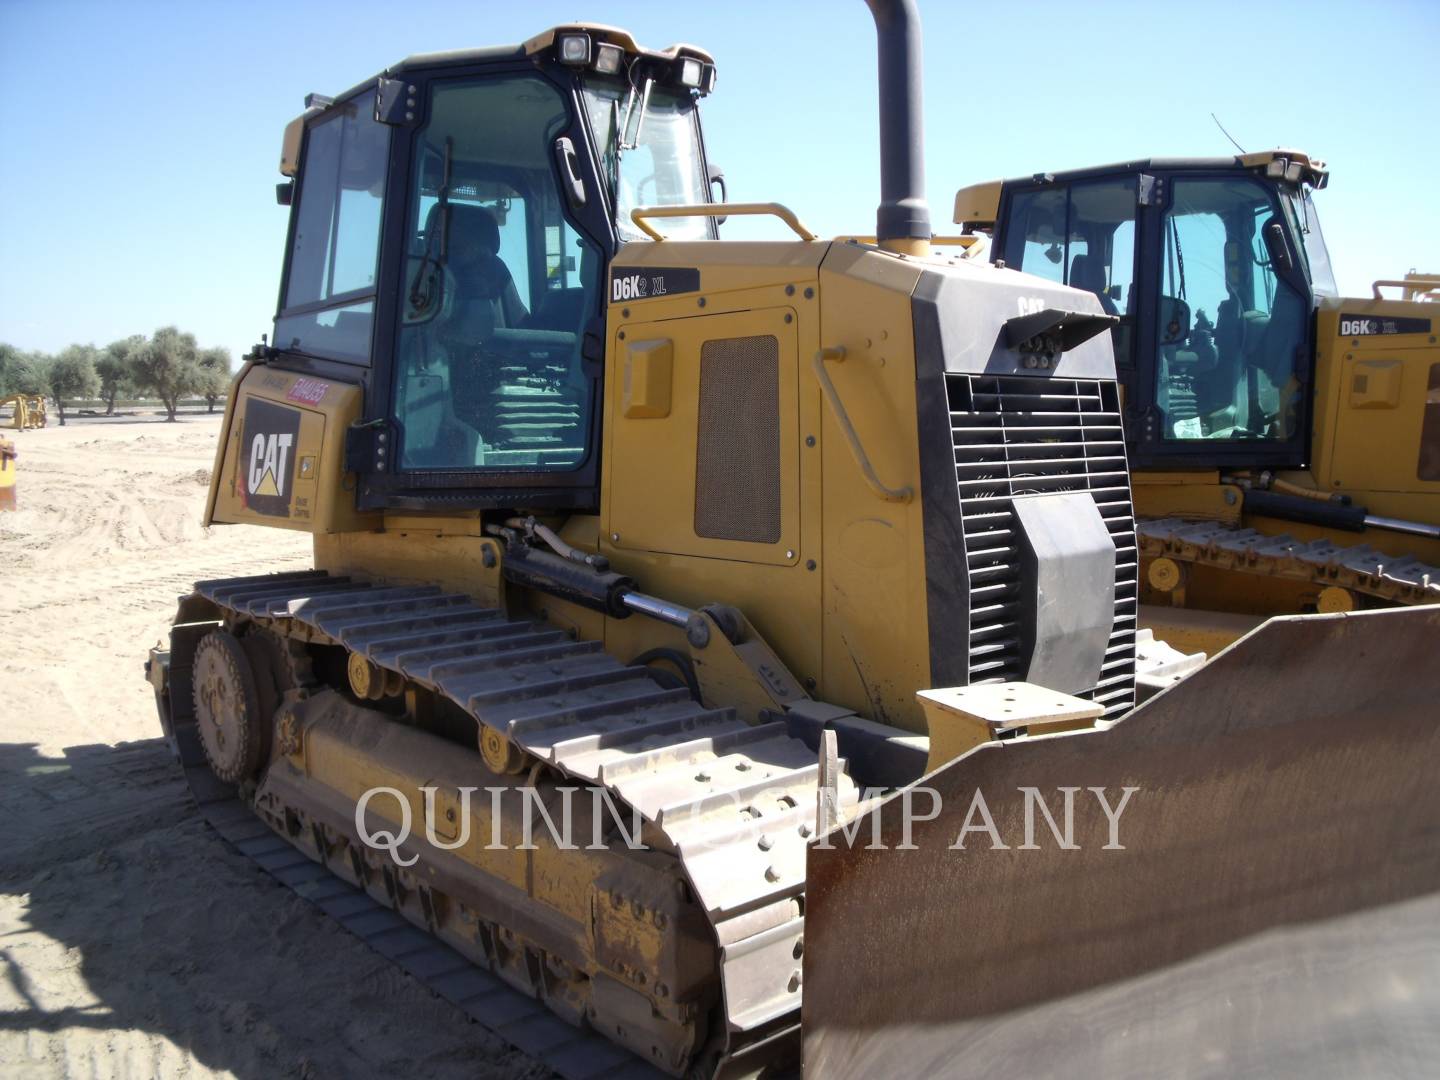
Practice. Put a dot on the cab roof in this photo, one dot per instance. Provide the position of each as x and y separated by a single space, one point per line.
316 104
611 35
977 205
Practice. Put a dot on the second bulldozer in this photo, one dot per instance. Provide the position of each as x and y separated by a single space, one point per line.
1284 439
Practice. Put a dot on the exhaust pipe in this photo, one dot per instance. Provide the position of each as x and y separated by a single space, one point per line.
903 220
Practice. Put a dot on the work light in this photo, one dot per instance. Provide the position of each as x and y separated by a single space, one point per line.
608 58
690 72
575 49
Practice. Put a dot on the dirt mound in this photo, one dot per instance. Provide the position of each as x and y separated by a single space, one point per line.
133 942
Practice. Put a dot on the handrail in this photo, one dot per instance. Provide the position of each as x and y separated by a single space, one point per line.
889 494
1419 284
966 241
784 213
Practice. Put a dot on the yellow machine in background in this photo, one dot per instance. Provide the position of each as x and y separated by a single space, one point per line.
27 411
1413 286
1284 440
7 474
626 526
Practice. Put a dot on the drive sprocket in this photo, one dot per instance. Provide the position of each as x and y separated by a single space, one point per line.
233 728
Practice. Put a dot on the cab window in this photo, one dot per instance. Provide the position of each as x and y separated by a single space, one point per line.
1230 327
1082 235
1037 239
497 287
1305 223
329 301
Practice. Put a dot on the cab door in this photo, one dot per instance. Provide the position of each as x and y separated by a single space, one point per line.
1223 345
487 379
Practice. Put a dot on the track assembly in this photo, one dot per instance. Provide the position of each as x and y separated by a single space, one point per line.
700 778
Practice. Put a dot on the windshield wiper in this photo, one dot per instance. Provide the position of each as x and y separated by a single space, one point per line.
621 140
614 147
631 144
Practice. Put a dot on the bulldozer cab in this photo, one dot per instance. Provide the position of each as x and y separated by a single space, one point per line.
452 222
1214 269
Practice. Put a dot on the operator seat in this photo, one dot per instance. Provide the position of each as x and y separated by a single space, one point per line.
1088 273
485 295
452 371
483 301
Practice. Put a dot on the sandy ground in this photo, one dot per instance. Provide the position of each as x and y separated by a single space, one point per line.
133 942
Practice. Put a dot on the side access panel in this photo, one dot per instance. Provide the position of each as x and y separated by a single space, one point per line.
282 457
1269 902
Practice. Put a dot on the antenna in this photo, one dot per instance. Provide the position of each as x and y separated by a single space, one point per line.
1226 133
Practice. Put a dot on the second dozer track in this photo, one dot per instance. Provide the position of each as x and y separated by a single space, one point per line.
687 950
1323 563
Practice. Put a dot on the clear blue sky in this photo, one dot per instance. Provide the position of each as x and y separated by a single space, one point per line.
139 139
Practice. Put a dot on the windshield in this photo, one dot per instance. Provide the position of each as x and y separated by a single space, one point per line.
1306 223
664 168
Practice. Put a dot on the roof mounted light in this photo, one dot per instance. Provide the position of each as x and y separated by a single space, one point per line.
574 49
1275 168
608 58
690 71
707 81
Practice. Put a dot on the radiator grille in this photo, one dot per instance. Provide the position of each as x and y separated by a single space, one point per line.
1024 436
737 451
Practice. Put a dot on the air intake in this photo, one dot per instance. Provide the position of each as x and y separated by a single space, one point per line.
737 450
1017 436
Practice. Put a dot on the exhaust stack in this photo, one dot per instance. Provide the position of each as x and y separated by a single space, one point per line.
903 220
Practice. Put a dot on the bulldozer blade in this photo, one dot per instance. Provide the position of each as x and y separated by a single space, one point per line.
1266 901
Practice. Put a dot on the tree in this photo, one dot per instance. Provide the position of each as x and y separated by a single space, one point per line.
24 373
72 375
21 372
169 366
215 373
116 367
9 357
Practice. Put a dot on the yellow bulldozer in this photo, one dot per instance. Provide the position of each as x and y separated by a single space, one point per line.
26 410
8 454
679 605
1284 440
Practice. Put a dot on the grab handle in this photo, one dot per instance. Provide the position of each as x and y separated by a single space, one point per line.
742 209
889 494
